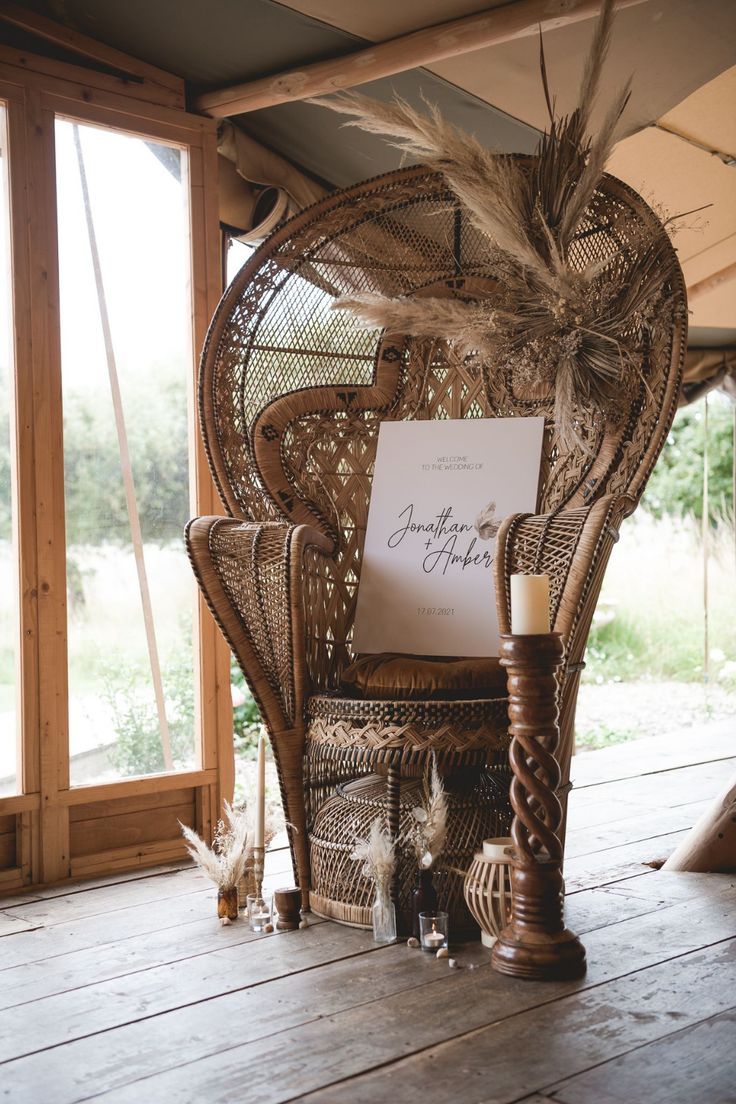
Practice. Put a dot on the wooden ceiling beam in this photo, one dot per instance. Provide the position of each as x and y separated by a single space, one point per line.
97 52
408 51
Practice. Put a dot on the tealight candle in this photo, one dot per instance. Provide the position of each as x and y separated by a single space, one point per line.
529 604
433 930
259 913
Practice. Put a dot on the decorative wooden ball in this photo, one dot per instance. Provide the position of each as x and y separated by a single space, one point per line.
487 888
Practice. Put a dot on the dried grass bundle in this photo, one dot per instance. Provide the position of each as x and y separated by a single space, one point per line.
223 863
552 322
465 324
430 831
378 855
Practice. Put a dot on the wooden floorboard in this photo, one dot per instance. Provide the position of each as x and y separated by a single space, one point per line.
85 885
76 906
125 988
665 789
11 925
655 754
48 976
505 1042
616 863
589 840
518 1054
467 1000
693 1066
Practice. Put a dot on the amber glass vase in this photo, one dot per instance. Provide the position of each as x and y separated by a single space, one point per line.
227 903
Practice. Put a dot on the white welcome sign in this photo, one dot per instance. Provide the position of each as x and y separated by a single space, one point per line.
440 491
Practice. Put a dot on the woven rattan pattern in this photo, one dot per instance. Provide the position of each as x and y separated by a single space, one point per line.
310 456
410 729
396 235
341 890
252 562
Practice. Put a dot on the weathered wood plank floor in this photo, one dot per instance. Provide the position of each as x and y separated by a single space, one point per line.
126 989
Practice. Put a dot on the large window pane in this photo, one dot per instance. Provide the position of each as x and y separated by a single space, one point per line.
9 775
126 369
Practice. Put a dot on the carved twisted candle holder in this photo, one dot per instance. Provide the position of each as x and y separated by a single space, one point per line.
259 856
535 943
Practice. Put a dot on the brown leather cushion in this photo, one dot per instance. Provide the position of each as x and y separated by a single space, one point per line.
391 676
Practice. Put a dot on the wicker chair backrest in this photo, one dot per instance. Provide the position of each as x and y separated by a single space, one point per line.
292 394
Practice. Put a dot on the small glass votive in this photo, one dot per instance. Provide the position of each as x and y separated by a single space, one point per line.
433 930
259 913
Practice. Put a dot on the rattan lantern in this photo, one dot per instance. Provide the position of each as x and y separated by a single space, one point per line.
487 888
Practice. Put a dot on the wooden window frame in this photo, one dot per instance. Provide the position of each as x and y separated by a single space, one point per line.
150 104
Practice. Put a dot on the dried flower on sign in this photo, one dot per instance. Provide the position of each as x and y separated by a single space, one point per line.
487 523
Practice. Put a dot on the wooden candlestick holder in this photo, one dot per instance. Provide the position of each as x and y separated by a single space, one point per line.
535 943
259 856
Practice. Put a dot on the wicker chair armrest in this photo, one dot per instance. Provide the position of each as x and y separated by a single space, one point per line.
251 575
570 546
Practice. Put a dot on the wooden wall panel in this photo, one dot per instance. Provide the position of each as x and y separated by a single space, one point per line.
8 842
108 825
116 806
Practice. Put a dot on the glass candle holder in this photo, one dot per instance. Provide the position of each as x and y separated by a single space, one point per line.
259 913
434 929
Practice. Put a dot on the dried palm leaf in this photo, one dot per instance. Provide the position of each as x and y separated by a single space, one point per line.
465 323
549 323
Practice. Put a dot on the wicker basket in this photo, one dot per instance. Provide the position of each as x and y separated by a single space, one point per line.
478 807
347 737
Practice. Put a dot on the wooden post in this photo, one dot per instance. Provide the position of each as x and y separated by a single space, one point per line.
393 800
710 845
535 943
705 534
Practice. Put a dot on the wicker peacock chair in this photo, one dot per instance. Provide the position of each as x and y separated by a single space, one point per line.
291 399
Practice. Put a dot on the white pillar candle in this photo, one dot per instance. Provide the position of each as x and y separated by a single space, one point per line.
529 604
260 792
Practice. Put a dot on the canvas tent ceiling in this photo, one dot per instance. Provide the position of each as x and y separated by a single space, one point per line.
680 52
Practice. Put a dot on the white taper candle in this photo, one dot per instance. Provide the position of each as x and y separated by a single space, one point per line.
529 604
261 792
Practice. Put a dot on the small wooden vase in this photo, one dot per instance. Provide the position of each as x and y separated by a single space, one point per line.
487 888
227 903
287 903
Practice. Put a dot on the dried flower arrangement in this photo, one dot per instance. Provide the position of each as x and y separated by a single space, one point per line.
429 831
378 855
553 320
224 863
